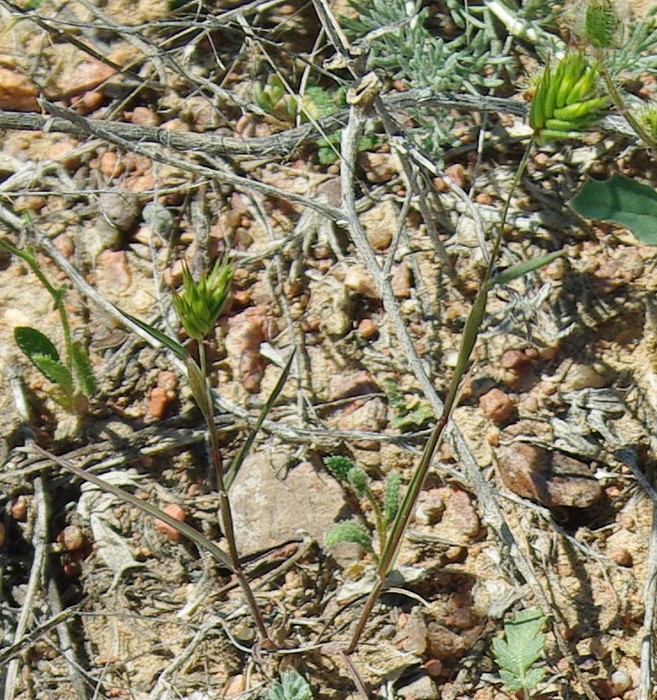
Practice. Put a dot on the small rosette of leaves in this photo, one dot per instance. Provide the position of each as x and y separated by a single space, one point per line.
518 653
200 303
567 99
292 686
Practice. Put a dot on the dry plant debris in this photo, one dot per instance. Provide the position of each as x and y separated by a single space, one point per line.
144 139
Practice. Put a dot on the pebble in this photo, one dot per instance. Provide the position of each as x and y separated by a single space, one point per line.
379 167
423 688
162 395
19 508
17 94
515 360
497 405
456 173
358 281
430 507
83 76
71 538
620 681
621 556
120 207
113 266
110 164
367 329
348 384
235 686
65 153
380 223
550 479
401 281
177 512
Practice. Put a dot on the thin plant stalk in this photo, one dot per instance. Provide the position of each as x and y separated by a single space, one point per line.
468 341
207 409
619 103
56 294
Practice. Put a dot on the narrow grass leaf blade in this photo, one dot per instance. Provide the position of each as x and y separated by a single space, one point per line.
199 387
235 465
183 528
161 338
82 370
621 201
524 268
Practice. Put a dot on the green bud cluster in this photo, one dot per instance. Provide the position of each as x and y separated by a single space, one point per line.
200 303
566 100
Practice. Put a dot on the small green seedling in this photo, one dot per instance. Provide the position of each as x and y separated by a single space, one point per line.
355 479
517 654
292 686
274 98
71 375
412 413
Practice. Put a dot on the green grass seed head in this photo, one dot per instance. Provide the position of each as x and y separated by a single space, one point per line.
200 303
566 99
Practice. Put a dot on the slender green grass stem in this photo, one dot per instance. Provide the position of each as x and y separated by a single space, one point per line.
620 105
468 341
224 504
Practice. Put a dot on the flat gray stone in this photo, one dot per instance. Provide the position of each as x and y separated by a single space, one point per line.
271 502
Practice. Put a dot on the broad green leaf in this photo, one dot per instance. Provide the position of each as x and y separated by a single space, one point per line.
621 201
349 531
33 342
82 370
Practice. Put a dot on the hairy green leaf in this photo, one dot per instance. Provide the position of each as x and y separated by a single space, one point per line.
391 498
349 531
620 201
357 479
82 370
34 342
339 467
54 371
41 352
